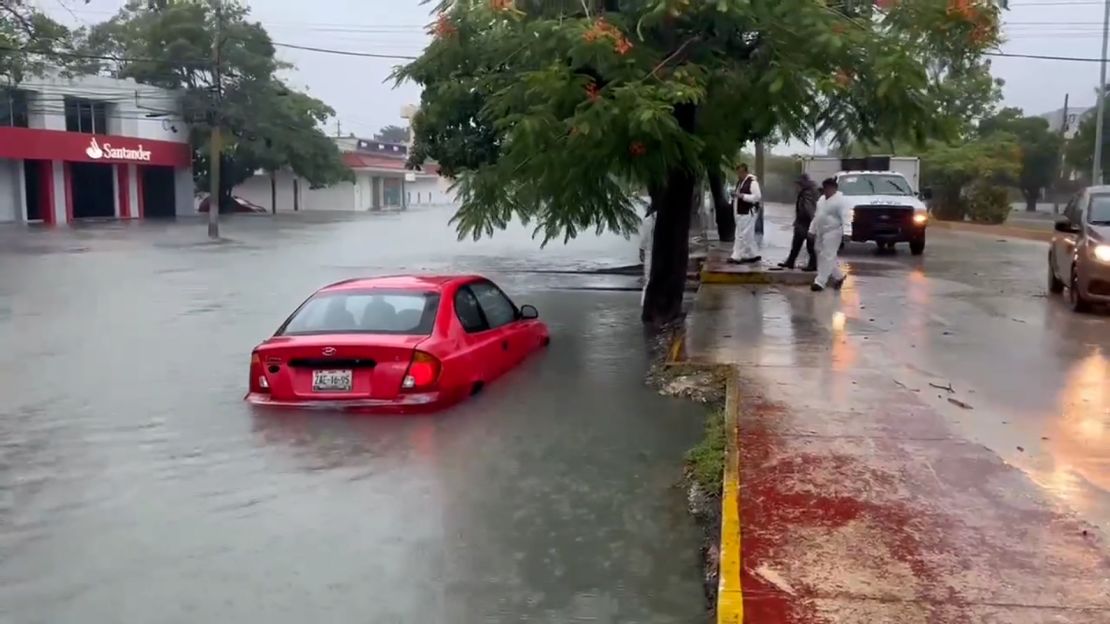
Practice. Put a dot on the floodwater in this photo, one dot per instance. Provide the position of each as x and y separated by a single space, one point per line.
137 487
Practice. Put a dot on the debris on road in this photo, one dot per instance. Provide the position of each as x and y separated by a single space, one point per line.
959 403
949 387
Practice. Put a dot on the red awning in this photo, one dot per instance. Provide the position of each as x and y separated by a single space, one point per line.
355 160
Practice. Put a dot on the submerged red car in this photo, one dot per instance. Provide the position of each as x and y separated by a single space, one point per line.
401 343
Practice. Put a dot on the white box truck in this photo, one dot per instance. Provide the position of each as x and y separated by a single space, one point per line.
887 198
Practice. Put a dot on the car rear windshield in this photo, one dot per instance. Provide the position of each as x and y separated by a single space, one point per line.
1100 209
365 312
874 184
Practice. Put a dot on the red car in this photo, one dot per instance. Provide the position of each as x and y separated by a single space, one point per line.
404 343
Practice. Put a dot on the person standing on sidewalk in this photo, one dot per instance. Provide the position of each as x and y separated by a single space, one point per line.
834 212
745 199
805 206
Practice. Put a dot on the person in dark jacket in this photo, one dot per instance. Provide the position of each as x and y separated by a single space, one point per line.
805 206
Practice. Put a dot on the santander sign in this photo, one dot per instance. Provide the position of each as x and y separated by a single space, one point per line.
96 152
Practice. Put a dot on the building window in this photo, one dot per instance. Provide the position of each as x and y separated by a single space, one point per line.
13 108
86 116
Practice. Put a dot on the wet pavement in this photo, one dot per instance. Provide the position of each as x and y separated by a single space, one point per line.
137 487
931 444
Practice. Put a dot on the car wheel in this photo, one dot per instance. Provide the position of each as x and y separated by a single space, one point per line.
917 246
1055 284
1075 298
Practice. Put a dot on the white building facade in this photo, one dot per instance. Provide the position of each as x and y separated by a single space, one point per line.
92 147
381 182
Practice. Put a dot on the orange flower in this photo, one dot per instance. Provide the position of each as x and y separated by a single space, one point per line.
602 29
444 28
592 92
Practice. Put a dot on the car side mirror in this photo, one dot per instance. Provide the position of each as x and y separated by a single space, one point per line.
926 193
1065 226
528 313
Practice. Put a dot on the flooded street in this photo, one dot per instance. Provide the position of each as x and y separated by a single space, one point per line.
137 487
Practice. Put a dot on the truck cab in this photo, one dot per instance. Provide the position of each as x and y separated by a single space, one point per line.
887 208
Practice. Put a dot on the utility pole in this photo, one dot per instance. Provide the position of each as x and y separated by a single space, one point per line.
215 142
1096 168
338 128
1063 161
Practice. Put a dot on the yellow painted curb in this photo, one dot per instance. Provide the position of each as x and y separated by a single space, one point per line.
678 347
720 277
730 597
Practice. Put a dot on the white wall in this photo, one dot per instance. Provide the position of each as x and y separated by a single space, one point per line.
257 191
11 196
429 191
337 197
130 103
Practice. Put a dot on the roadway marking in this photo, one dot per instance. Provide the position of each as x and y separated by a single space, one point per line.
730 597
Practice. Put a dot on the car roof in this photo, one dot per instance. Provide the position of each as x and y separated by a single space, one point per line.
423 283
868 172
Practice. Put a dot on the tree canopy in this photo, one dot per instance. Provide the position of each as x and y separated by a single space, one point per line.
1039 147
25 35
392 134
541 108
1080 151
267 124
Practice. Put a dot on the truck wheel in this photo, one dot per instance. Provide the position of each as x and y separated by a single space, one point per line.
917 246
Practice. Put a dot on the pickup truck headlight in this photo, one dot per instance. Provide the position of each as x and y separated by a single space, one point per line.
920 218
1102 253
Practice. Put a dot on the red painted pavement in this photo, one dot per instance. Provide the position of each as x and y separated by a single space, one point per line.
858 504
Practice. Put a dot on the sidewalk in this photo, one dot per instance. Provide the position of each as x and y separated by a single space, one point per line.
774 246
859 501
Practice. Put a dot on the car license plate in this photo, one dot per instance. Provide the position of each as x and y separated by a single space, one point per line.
331 381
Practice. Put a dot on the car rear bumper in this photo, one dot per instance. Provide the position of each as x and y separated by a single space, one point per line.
404 403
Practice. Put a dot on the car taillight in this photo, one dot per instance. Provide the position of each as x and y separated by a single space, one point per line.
423 372
258 381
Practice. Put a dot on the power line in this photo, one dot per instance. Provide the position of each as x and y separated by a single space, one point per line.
1046 57
397 57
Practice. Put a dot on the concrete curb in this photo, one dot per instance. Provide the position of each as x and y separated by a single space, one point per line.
714 274
730 597
1008 231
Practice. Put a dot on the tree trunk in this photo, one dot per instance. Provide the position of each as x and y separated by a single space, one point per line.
670 245
273 192
726 221
670 248
1031 197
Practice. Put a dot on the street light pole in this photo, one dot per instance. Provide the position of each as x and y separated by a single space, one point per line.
1096 168
215 143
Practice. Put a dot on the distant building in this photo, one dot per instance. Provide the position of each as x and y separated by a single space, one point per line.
92 147
1069 125
382 182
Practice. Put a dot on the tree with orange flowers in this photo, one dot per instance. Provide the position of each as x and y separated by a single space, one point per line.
549 111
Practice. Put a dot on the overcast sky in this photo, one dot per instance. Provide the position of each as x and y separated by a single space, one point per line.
358 89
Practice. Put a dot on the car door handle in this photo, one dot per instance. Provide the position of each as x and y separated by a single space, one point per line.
504 345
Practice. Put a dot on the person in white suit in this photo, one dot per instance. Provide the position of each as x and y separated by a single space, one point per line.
830 222
746 198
